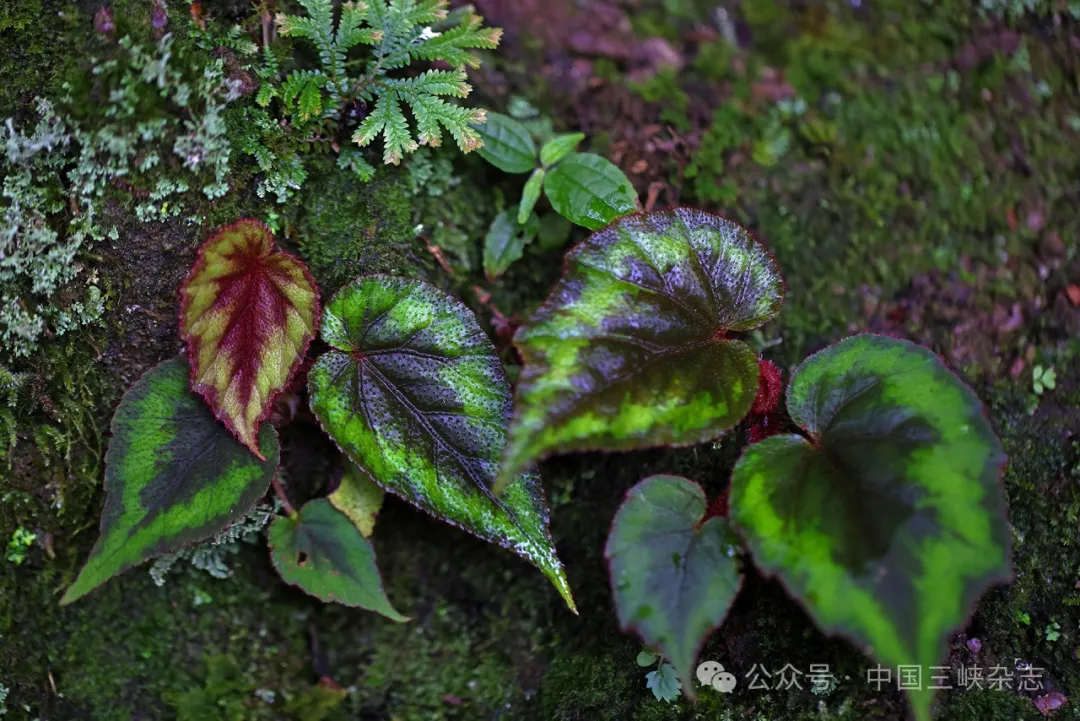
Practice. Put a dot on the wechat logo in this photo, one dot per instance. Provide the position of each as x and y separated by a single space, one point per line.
711 673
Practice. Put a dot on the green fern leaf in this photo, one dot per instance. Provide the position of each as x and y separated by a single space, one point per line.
352 159
351 31
421 13
431 112
318 28
454 45
435 82
310 101
299 83
267 92
387 118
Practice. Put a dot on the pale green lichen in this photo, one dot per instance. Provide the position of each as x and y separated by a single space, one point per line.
211 555
56 174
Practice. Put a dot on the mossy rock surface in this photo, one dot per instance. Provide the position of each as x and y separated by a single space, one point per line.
890 221
346 228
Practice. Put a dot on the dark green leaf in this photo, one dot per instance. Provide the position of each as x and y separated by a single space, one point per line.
416 395
507 144
589 190
888 519
673 576
173 476
505 242
664 683
530 195
322 552
631 350
559 147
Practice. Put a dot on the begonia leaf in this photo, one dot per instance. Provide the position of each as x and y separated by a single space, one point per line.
632 348
415 394
173 476
674 573
248 312
359 498
887 519
321 551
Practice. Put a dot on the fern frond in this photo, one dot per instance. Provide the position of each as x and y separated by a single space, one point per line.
318 28
309 103
454 45
271 67
434 82
297 82
378 13
432 112
351 31
296 26
387 118
352 159
423 12
402 31
267 92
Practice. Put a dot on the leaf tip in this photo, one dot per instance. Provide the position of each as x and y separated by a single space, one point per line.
77 590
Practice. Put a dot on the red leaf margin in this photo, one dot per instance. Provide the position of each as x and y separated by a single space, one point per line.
209 393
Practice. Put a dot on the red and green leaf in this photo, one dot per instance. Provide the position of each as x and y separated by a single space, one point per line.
248 312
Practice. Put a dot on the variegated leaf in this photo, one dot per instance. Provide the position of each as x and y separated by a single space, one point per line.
248 312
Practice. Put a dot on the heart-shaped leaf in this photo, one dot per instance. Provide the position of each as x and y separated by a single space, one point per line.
888 519
173 476
359 498
248 312
416 395
589 190
673 574
631 350
507 144
322 552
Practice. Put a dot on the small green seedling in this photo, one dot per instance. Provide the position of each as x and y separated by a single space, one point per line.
663 681
1043 379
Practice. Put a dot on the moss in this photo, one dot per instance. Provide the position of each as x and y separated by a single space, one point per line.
35 35
346 228
664 90
988 705
877 165
1043 485
489 638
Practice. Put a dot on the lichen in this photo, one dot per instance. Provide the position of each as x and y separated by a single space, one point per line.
211 555
57 176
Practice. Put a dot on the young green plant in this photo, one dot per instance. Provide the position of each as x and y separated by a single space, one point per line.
585 188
